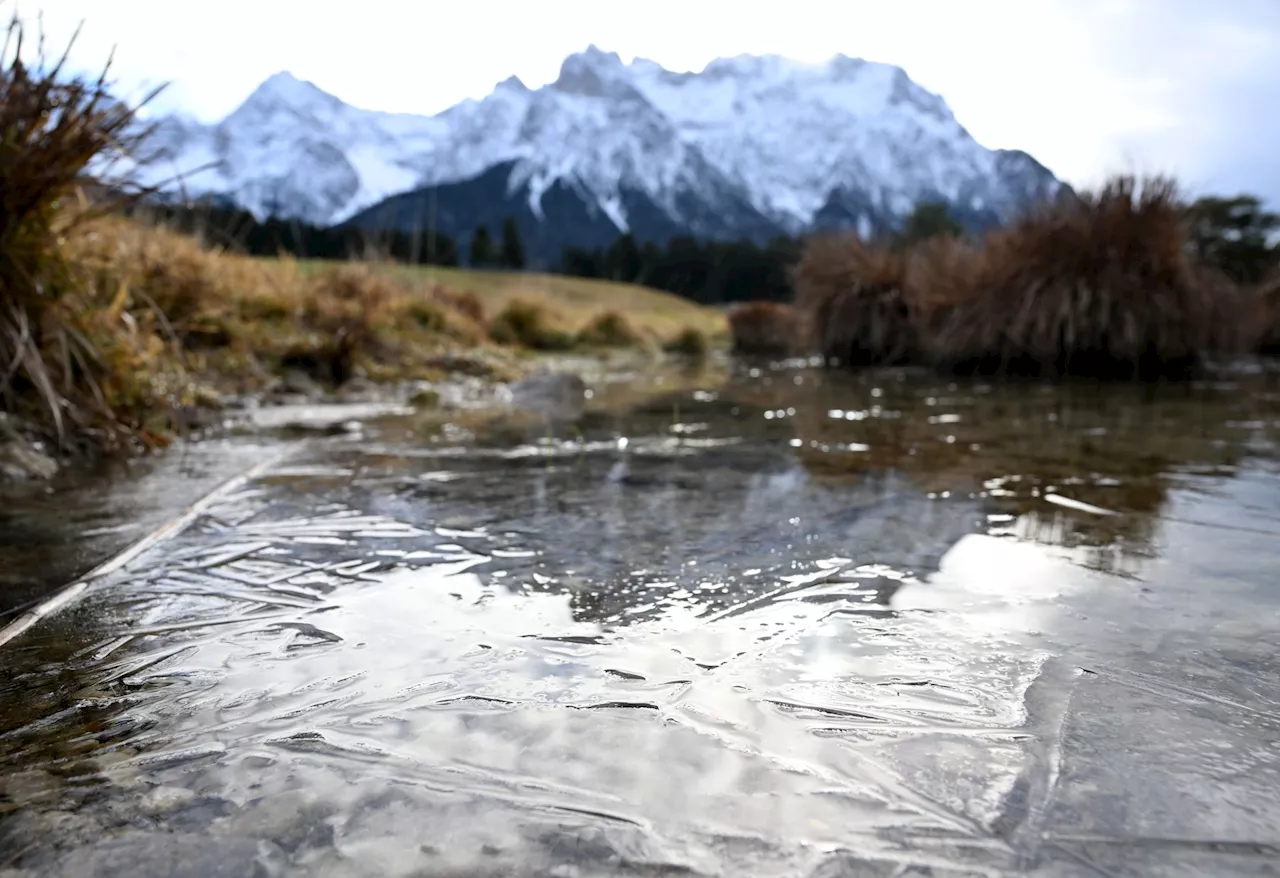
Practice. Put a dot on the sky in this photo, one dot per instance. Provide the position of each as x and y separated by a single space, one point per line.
1088 87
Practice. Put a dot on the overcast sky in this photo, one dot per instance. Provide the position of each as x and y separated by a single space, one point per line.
1088 87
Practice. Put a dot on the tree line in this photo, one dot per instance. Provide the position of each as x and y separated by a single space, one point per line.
709 272
239 230
1233 234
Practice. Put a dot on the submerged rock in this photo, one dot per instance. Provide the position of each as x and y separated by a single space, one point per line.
208 398
295 387
359 389
555 394
423 394
20 458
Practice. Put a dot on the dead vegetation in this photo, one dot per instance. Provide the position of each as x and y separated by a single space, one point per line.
73 362
610 329
531 324
239 321
1267 315
764 329
689 342
1105 288
1102 286
854 303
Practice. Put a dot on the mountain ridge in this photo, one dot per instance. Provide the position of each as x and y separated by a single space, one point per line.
751 146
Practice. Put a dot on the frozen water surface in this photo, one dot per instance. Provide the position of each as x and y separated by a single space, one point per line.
790 624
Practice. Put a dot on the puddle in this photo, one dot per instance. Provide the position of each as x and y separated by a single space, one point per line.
780 623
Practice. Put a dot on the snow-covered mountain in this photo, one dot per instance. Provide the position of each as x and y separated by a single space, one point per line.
750 146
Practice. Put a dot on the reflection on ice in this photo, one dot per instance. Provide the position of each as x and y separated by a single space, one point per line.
696 651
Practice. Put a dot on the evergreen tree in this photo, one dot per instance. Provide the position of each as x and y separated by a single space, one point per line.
623 259
481 253
710 272
685 267
650 259
581 262
1234 235
929 220
512 248
441 251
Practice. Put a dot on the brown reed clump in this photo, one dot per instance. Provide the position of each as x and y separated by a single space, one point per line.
66 361
1102 287
854 302
1267 308
764 329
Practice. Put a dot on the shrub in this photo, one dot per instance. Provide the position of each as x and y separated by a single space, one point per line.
854 303
764 329
689 342
609 329
928 220
531 324
1102 287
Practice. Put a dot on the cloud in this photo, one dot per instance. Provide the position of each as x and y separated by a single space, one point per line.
1087 86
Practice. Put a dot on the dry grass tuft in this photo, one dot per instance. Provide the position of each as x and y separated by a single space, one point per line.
764 329
531 324
855 303
65 360
610 329
342 318
689 342
942 271
1102 288
463 302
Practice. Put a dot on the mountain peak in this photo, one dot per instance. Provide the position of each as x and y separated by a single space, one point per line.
597 54
283 77
284 88
594 73
843 65
513 83
749 66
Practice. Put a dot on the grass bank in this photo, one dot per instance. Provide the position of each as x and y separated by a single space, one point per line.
168 323
658 316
